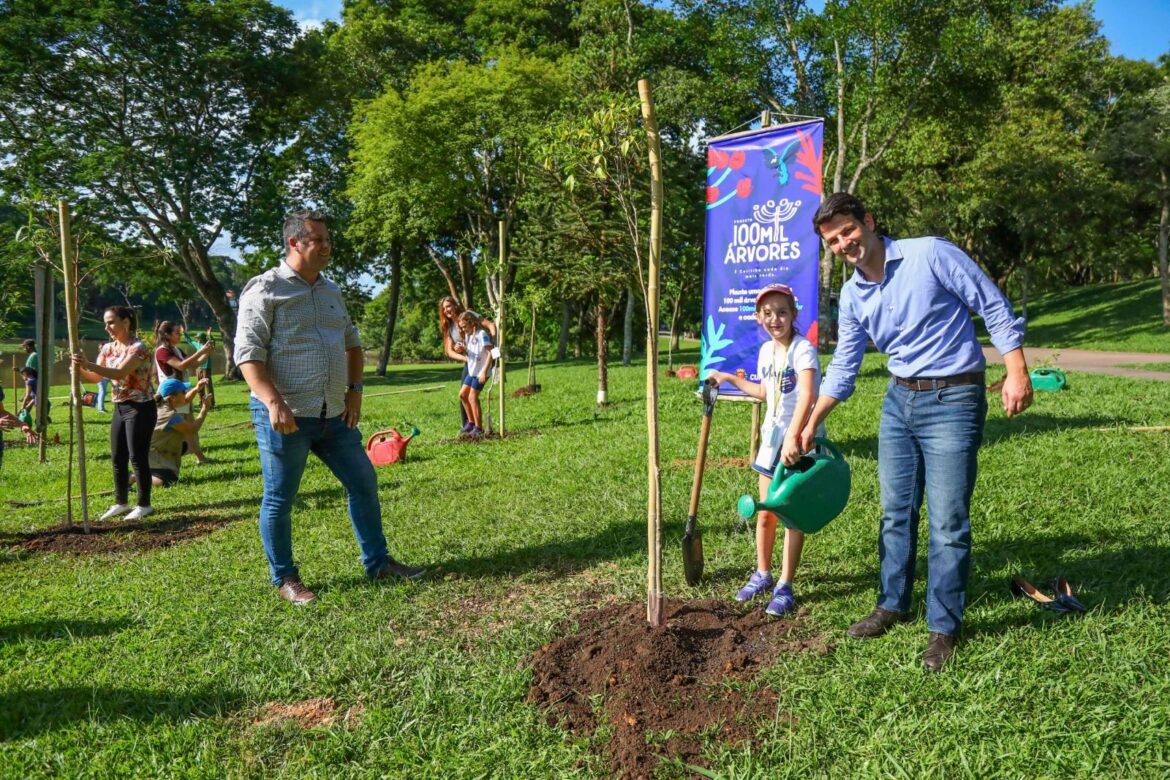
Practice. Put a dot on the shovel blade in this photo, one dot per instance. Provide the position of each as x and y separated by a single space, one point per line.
692 550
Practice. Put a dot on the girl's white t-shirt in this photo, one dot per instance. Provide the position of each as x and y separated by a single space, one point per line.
777 370
478 344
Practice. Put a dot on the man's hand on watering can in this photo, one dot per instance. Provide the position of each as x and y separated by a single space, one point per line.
1017 385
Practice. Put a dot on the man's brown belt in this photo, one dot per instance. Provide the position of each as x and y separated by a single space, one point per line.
924 383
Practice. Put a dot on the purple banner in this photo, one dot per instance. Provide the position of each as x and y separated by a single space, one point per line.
763 188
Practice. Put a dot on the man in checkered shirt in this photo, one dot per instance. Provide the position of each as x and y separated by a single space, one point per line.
301 356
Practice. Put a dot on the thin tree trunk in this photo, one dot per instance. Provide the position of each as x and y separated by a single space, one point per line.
566 324
628 329
839 167
654 606
532 350
391 307
76 418
467 278
196 266
451 289
501 330
1163 241
602 355
577 351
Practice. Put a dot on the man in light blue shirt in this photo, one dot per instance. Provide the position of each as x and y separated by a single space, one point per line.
914 298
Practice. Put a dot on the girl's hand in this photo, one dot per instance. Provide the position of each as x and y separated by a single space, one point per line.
202 382
721 376
791 452
80 360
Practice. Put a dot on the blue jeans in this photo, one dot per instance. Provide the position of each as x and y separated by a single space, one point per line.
929 441
282 460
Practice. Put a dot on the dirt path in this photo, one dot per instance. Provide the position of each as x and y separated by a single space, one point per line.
1090 362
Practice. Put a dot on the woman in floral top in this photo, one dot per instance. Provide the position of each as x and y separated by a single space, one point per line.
127 363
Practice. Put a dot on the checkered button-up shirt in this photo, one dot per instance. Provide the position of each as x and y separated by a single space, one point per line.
300 332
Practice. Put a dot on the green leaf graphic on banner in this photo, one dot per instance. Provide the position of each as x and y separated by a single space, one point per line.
713 341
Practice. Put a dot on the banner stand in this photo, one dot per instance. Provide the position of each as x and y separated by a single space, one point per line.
763 186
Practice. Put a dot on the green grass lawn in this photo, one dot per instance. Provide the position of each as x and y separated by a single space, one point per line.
162 663
1123 317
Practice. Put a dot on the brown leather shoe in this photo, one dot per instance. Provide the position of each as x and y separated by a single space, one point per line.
877 623
939 649
292 589
392 569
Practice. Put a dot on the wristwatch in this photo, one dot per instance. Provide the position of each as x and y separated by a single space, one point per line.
357 388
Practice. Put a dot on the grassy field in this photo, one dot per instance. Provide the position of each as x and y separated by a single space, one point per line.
1124 317
175 662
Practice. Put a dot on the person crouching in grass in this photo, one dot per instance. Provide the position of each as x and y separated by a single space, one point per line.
173 429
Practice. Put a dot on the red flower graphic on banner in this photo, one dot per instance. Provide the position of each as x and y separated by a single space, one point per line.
810 160
737 160
743 188
712 194
721 159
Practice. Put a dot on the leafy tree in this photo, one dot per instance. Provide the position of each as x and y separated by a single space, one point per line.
165 114
1137 146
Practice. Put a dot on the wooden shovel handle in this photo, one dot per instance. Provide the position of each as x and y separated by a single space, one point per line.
700 462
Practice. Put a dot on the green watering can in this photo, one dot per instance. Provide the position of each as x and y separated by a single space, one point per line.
1048 379
808 495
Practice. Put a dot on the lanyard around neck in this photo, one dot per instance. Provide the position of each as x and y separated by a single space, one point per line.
778 375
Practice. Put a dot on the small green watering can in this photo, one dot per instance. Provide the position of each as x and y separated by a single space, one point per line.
808 495
1048 379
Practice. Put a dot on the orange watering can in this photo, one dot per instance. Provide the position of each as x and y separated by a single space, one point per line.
807 495
389 446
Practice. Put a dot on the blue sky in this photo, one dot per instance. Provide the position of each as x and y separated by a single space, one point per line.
1139 29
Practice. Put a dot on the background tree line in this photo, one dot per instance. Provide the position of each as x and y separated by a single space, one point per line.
421 125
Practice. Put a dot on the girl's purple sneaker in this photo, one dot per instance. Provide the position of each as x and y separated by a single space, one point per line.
782 603
758 583
468 427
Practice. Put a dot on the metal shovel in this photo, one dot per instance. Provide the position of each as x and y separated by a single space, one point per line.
692 541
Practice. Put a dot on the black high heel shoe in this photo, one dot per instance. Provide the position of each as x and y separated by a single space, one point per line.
1022 588
1064 595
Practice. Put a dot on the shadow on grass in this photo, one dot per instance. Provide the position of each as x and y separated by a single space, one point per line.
30 712
540 562
61 629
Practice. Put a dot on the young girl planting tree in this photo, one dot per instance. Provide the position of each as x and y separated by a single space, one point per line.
789 374
478 345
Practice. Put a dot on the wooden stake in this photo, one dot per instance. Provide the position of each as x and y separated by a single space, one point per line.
654 607
73 316
501 379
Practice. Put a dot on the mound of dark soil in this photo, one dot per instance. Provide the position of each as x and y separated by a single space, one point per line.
667 683
114 537
527 390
